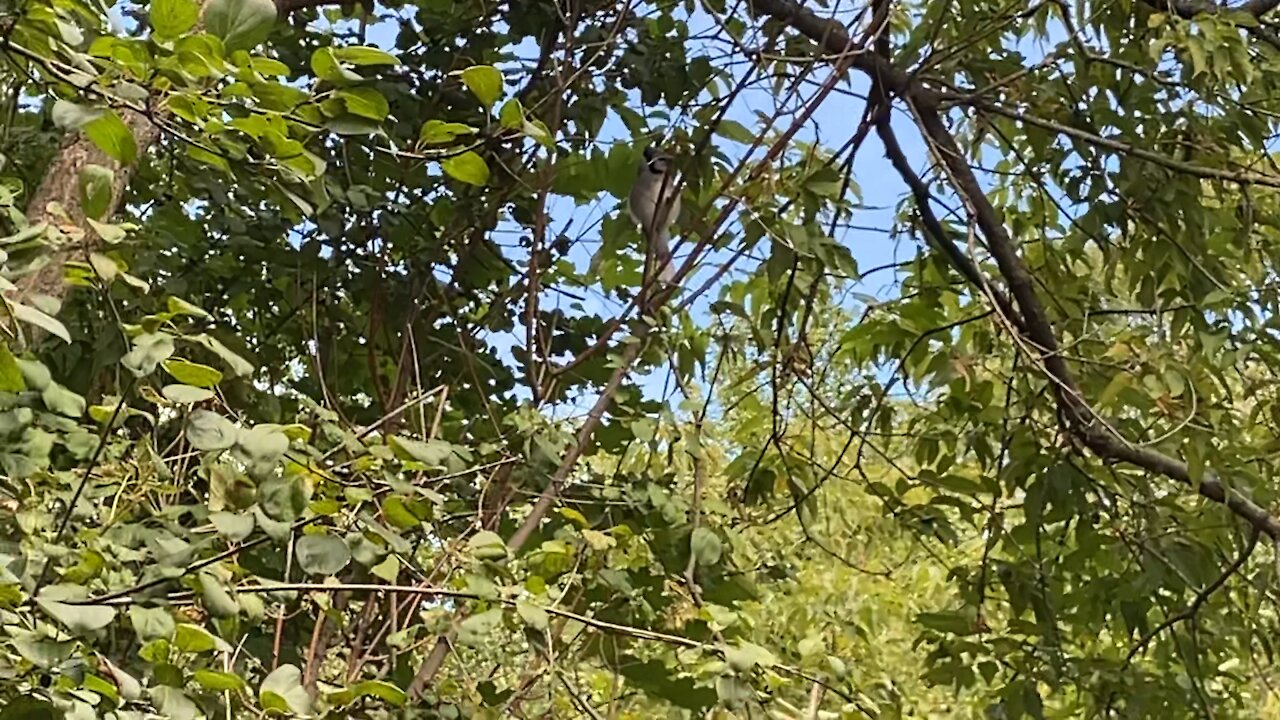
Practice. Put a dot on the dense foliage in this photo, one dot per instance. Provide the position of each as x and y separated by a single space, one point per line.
331 385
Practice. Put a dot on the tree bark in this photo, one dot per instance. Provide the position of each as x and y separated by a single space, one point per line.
1084 424
61 185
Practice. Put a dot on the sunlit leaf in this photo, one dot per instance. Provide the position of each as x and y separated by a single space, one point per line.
282 690
113 137
242 24
467 167
210 431
485 82
322 554
171 18
40 319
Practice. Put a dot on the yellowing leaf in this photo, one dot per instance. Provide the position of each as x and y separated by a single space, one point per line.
193 374
485 82
468 167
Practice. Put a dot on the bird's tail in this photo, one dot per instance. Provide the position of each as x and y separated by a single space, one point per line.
662 258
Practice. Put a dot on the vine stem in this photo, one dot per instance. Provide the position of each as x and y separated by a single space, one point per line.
65 520
617 628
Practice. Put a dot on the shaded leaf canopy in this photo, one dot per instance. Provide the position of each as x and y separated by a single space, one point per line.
335 383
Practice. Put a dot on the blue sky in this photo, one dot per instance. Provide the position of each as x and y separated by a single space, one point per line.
832 124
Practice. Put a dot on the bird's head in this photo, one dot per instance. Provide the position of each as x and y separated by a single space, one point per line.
657 161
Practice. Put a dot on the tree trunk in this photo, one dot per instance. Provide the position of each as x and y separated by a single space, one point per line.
61 185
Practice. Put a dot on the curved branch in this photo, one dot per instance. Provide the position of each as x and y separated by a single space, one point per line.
1082 422
1200 599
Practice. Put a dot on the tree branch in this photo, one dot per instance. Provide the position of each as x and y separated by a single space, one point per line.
1200 599
1036 326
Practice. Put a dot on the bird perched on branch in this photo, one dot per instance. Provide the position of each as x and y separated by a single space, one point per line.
654 191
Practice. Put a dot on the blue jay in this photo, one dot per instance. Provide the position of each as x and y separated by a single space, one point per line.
656 176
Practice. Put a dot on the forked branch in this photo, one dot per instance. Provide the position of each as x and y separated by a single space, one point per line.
1035 328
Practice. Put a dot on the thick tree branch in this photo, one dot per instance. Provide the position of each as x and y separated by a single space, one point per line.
1188 9
60 185
1036 326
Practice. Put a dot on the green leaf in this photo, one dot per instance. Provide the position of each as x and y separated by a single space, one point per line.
434 453
105 267
485 82
364 55
110 234
148 351
322 554
166 673
388 569
949 622
537 130
511 116
112 137
10 373
282 690
185 394
40 651
189 373
435 132
155 652
365 102
265 443
35 373
210 431
173 703
71 116
217 600
151 623
706 546
216 681
487 545
242 24
62 401
95 190
1119 382
533 616
178 306
39 318
194 639
735 131
284 499
476 629
379 689
325 64
79 619
30 708
747 656
215 160
397 513
90 566
269 66
238 365
171 18
232 526
468 167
